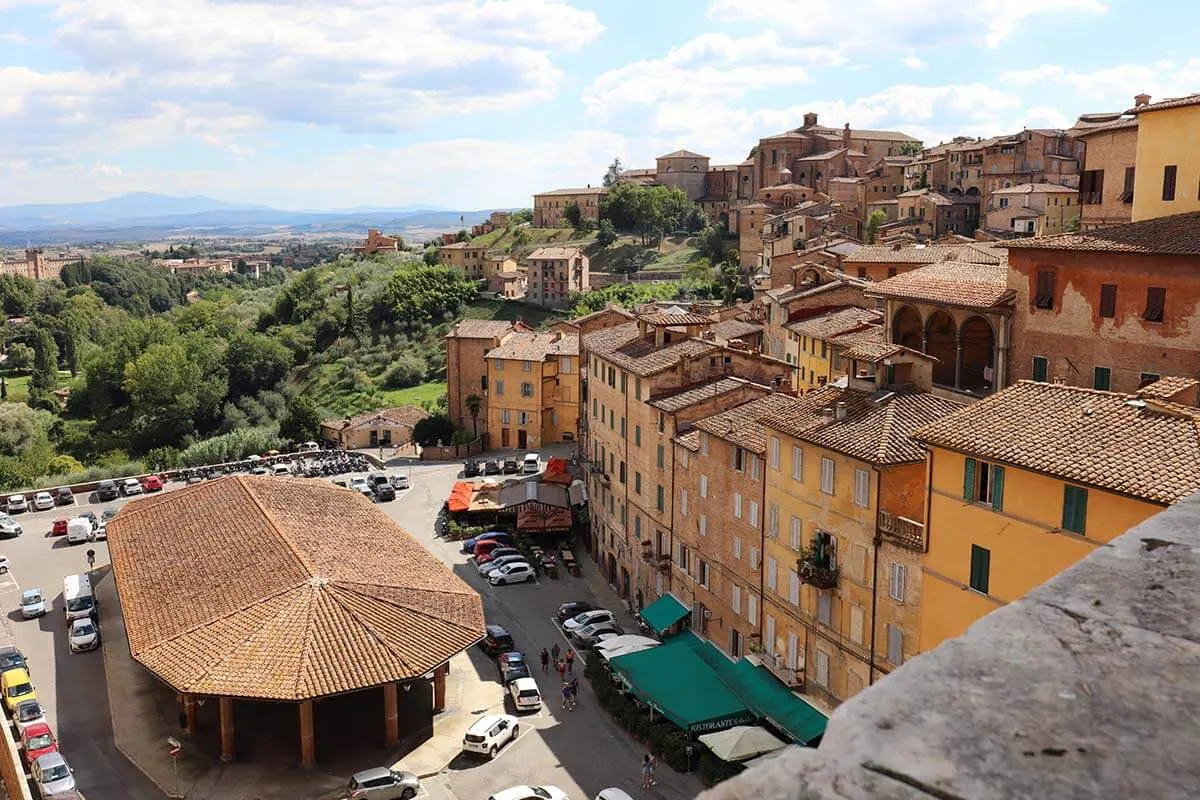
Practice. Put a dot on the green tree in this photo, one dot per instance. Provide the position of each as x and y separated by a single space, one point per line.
301 422
355 324
428 295
730 278
255 362
910 149
613 173
877 218
430 256
607 234
44 378
573 215
520 238
18 295
714 243
409 369
434 429
462 236
3 388
20 428
474 404
20 356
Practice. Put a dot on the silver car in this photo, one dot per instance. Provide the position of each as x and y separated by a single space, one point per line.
9 526
53 775
32 603
382 783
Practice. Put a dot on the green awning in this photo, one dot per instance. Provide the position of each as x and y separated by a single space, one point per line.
682 686
664 612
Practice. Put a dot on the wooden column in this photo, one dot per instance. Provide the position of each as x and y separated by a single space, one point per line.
439 688
189 709
391 715
226 709
308 754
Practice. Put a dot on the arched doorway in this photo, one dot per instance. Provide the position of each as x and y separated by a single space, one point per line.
906 328
941 342
973 191
611 572
978 356
955 191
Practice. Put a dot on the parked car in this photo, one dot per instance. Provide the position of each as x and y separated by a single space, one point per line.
360 484
260 469
531 465
512 666
29 712
33 604
488 567
11 658
587 618
468 545
496 552
472 469
37 740
525 694
495 640
17 687
516 572
131 486
382 783
488 545
530 793
384 493
573 609
64 496
101 531
511 466
9 527
17 504
43 501
491 467
59 527
376 478
613 793
3 565
152 483
107 490
401 482
588 635
308 447
91 517
84 635
52 775
488 734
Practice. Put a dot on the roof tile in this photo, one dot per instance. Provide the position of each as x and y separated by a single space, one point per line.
742 424
951 283
536 346
624 346
1178 234
832 323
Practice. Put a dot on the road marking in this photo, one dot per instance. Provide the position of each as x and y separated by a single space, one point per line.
8 582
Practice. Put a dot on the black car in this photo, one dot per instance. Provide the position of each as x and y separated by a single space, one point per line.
11 658
471 469
491 468
573 609
384 493
497 640
511 466
107 490
63 496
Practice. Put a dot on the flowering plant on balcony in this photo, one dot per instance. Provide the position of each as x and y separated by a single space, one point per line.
816 569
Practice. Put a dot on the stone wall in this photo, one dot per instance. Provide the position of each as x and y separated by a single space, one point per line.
1084 688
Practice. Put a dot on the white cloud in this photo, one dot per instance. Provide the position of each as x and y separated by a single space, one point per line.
14 38
1115 85
912 62
883 23
100 168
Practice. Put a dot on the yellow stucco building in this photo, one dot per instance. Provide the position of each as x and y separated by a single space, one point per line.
1167 171
1027 482
815 350
533 389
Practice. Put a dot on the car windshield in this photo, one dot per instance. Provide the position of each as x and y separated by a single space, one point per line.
31 599
20 689
108 514
10 660
28 711
84 630
529 693
38 742
79 604
60 772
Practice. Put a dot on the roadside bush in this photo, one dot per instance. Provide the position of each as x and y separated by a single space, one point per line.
406 371
232 446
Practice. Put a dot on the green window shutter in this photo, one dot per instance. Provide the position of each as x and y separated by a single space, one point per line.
1068 514
1074 509
997 488
981 563
1103 378
1040 368
969 480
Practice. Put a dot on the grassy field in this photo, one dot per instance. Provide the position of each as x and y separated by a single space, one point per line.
513 309
674 253
503 239
414 395
17 384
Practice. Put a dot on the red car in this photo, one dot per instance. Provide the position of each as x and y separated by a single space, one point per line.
60 527
152 483
37 740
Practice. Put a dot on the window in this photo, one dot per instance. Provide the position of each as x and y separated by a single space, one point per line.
659 498
612 419
661 456
822 676
797 464
794 588
983 482
856 624
795 542
899 573
637 435
704 486
1041 366
737 547
1108 300
527 366
1156 301
702 569
499 365
623 376
637 527
773 521
772 573
564 365
1091 187
753 514
505 416
621 472
895 639
637 388
1169 173
499 388
622 427
824 608
862 488
522 417
1074 509
622 507
703 525
736 599
1146 379
981 563
1101 378
1004 202
755 468
1127 193
774 453
662 426
483 383
683 502
637 482
739 459
752 608
827 475
737 505
685 558
595 408
1044 296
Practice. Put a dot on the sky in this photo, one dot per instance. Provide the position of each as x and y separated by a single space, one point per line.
476 104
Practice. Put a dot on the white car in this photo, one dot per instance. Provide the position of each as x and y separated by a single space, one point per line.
29 712
530 793
516 572
532 464
401 482
43 501
32 603
587 618
131 486
525 694
3 565
359 483
488 567
17 503
84 635
9 526
280 470
488 734
308 447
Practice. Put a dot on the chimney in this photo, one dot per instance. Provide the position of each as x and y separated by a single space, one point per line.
839 411
810 119
1141 100
846 136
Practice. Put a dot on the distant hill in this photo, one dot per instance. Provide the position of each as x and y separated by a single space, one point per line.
143 216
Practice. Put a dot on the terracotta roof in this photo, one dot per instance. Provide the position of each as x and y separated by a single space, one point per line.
1118 125
951 282
624 347
832 323
586 190
680 399
1167 387
407 416
1030 188
742 424
536 346
1178 234
683 154
464 246
282 589
690 440
1147 449
668 319
734 329
876 432
554 252
481 329
1174 102
926 254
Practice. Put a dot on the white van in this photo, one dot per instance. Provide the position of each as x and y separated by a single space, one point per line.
78 601
79 530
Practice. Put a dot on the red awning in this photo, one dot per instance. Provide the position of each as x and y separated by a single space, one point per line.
544 519
556 472
460 496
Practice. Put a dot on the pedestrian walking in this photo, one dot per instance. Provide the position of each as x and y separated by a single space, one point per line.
566 695
574 692
545 660
570 660
561 666
554 651
646 772
653 765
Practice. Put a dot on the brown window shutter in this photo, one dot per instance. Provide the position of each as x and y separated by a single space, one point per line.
1169 172
1156 302
1108 300
1044 296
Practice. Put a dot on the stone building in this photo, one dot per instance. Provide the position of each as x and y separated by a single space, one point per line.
37 265
387 427
549 207
1168 157
533 394
466 369
1031 156
1032 209
376 242
932 214
880 262
472 259
554 274
1106 175
1113 308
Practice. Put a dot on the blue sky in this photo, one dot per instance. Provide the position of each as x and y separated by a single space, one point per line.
477 104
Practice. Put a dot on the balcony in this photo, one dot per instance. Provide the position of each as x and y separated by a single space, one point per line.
659 561
776 663
817 570
903 531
